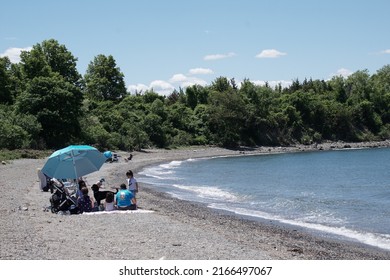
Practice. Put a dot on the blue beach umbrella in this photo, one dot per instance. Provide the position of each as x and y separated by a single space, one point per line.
108 154
73 162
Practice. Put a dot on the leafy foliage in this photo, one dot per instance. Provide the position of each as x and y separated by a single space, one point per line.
46 103
103 79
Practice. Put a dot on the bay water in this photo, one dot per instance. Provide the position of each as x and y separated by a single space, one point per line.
342 194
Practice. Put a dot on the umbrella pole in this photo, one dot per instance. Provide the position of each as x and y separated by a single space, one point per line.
75 173
74 166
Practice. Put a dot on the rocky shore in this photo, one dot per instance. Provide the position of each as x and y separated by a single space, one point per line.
173 229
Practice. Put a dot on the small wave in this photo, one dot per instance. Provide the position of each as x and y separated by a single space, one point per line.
244 212
171 164
159 170
373 239
208 192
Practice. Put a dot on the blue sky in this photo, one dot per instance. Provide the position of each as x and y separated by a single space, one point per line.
170 44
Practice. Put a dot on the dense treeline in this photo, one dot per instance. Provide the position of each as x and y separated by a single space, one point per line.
46 103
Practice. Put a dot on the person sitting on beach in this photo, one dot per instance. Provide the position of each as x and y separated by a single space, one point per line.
84 202
129 158
81 185
124 199
109 202
44 181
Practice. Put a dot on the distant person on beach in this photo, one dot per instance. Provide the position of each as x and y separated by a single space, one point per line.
129 158
132 183
124 199
84 202
109 202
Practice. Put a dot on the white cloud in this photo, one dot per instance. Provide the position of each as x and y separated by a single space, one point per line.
158 86
178 78
161 87
200 71
272 84
218 56
270 53
386 51
185 81
176 81
14 53
343 72
137 88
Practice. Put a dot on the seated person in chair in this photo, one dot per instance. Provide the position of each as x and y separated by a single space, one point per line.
124 199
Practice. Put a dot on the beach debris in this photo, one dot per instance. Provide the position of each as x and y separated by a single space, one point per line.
176 244
296 250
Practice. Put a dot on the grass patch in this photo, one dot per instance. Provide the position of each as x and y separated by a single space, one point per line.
23 153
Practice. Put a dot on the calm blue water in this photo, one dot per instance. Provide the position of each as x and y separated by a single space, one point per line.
342 193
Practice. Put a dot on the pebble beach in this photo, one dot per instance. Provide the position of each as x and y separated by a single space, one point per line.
165 228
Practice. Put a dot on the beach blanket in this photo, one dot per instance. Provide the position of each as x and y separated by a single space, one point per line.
138 211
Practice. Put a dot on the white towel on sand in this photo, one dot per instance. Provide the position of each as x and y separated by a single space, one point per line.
138 211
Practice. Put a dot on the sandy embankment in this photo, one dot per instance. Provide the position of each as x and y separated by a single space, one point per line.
175 230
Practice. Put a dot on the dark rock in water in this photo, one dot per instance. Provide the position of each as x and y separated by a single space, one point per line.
347 146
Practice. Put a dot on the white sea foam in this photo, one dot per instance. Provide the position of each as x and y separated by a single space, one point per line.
171 164
373 239
157 172
208 192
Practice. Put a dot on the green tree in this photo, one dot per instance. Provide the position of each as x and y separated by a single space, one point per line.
50 57
358 87
104 80
153 126
200 125
61 61
5 81
381 93
196 94
50 90
56 105
221 84
12 135
338 87
226 112
134 137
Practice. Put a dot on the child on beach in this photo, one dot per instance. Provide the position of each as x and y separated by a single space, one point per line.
109 202
84 202
132 183
81 185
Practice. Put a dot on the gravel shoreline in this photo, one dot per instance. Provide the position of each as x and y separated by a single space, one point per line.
174 230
